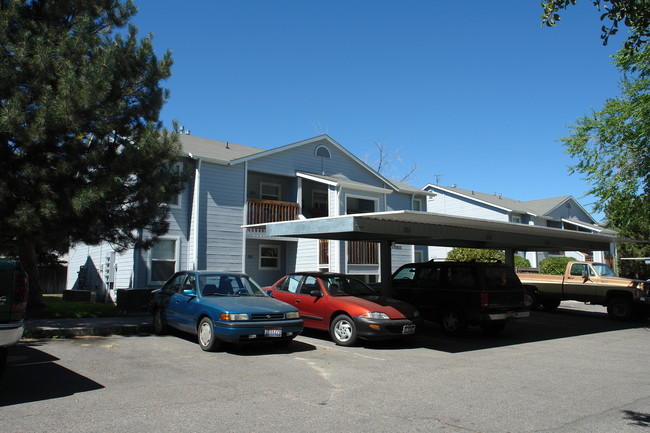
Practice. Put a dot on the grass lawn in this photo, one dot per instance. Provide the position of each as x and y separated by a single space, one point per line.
59 309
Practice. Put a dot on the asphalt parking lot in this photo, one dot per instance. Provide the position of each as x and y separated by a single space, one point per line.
573 370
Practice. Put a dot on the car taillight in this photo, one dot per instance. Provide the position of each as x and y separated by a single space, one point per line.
19 300
484 299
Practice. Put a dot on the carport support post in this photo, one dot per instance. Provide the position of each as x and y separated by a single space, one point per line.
510 257
385 267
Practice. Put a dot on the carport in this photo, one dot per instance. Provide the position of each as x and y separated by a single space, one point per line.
425 228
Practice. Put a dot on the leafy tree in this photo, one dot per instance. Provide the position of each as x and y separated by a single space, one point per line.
635 14
612 147
83 156
481 255
554 265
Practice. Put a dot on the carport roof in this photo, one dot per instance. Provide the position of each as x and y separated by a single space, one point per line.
425 228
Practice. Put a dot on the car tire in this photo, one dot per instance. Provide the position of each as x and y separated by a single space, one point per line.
550 304
159 323
453 322
493 328
205 333
4 354
619 309
531 299
343 331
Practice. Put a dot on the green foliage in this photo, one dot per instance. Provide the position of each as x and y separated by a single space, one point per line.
554 265
634 14
57 308
612 147
481 255
83 156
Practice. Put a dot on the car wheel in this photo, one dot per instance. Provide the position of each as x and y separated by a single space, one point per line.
550 304
619 309
493 328
343 331
453 322
4 353
530 299
207 339
159 323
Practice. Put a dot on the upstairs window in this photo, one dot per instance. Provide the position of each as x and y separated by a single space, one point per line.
270 191
323 152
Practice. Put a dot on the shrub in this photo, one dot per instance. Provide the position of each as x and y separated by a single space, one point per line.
481 255
554 265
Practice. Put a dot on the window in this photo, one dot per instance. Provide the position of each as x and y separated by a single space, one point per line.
417 204
163 260
269 257
515 219
291 283
319 199
175 201
270 191
323 152
357 205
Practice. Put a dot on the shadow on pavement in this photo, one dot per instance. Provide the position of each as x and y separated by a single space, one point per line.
32 375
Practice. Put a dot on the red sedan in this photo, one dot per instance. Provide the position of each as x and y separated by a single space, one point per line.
345 306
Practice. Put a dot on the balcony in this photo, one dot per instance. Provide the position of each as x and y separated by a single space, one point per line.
270 211
363 253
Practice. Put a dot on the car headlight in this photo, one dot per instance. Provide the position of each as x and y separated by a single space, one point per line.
374 315
232 316
292 315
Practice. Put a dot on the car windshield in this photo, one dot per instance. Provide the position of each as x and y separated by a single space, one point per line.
228 285
347 286
603 270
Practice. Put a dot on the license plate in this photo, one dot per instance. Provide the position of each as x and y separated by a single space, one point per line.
273 332
408 329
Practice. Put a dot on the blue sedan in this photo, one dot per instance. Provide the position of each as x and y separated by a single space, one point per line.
223 307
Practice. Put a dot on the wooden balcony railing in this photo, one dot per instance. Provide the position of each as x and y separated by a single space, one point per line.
270 211
363 253
323 252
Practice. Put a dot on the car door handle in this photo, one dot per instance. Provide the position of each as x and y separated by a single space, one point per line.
297 300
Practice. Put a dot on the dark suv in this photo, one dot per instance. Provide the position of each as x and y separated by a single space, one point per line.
458 294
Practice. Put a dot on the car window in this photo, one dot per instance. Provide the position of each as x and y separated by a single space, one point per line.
309 285
190 283
501 277
174 285
578 269
228 285
460 277
406 273
348 286
291 283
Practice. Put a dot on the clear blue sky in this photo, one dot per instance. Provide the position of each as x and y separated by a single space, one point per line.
477 92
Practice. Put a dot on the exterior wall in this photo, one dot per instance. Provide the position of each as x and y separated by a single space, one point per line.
401 254
455 205
303 158
252 263
221 215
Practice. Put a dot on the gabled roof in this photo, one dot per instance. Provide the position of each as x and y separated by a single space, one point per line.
498 201
226 153
215 150
537 208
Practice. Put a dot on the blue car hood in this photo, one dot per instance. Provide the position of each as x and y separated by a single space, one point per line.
247 304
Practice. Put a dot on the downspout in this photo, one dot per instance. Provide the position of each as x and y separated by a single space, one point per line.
194 216
245 218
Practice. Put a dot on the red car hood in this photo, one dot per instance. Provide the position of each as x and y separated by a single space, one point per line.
392 307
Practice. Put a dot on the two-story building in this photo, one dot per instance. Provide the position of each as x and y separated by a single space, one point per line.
232 186
559 212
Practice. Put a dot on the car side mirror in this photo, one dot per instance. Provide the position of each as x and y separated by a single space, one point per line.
189 292
316 293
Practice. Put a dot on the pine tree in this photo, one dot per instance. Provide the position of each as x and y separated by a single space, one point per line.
83 155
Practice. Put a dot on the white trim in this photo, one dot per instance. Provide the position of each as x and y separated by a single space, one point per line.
278 257
279 186
341 182
177 257
179 197
194 215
